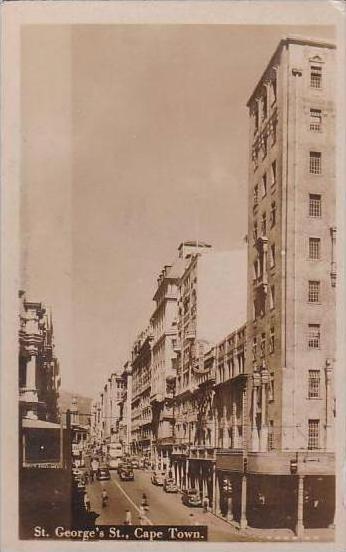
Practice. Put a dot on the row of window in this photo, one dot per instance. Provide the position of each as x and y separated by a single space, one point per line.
313 434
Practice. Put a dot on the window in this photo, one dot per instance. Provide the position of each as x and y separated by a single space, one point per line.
274 89
315 166
315 120
255 232
264 185
264 146
314 336
315 206
255 195
314 434
273 214
272 255
272 340
264 224
256 117
263 345
314 248
254 348
264 104
270 435
273 174
272 297
316 76
314 291
314 384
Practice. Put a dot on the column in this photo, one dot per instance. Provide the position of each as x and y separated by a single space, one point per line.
254 431
243 518
328 429
186 483
31 385
224 419
161 459
217 510
234 425
300 507
264 426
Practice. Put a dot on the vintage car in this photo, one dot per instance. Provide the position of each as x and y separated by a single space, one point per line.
191 497
134 463
157 478
103 474
126 474
169 485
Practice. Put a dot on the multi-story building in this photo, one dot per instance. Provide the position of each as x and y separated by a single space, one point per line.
211 301
125 408
141 416
288 459
163 369
39 377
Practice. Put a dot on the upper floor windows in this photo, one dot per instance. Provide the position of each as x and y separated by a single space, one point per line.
315 120
273 214
314 291
316 76
315 162
272 255
273 174
264 185
314 336
313 434
315 205
314 248
314 384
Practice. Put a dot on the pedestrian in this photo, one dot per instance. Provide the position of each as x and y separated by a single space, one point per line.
91 475
205 504
87 502
128 517
142 517
144 502
104 498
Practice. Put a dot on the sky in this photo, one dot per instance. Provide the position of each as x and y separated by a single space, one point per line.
134 138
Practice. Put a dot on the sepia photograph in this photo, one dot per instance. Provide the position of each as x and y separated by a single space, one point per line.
178 277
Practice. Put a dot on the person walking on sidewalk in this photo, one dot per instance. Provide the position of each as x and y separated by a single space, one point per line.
205 503
87 502
104 498
128 517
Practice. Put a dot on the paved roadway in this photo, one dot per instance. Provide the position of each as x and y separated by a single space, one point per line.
164 508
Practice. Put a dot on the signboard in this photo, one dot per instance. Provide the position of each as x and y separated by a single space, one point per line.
43 465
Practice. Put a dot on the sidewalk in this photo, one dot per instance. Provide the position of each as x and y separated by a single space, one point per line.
267 534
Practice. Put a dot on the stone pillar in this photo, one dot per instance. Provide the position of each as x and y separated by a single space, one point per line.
234 425
263 445
224 419
216 500
328 427
243 518
186 481
161 459
254 431
300 507
31 393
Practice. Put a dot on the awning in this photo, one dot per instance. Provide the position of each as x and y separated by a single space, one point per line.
38 424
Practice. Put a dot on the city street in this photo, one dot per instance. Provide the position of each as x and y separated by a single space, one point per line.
164 509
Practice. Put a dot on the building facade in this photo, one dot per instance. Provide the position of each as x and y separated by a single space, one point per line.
288 459
141 413
211 301
39 375
164 362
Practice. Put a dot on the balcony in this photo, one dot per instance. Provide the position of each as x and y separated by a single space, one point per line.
202 452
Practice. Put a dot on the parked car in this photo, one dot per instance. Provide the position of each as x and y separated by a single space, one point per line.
134 463
169 485
103 474
191 497
157 478
126 474
123 464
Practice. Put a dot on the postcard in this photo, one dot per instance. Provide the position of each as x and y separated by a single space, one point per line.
172 275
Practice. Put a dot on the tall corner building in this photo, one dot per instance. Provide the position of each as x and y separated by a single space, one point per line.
291 281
